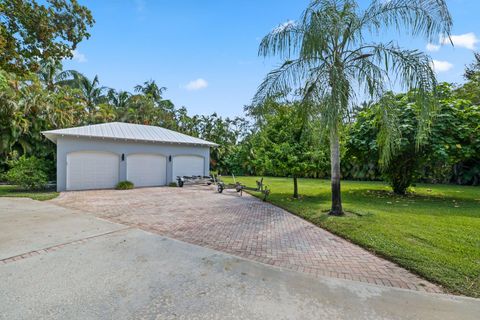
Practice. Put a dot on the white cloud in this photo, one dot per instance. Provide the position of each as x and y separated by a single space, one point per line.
284 26
467 40
78 56
432 47
441 66
196 84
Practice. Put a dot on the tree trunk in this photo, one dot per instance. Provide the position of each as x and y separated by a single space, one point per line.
335 174
295 187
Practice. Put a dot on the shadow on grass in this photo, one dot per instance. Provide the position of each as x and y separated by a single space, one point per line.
407 196
365 202
314 208
426 204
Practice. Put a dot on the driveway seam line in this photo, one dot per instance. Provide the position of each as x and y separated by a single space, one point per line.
56 247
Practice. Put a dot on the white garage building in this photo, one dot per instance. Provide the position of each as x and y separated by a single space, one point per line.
99 156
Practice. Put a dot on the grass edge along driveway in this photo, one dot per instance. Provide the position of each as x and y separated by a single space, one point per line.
15 191
433 232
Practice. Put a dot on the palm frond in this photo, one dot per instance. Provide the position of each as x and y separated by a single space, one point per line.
427 18
284 40
369 76
389 134
412 70
71 78
279 82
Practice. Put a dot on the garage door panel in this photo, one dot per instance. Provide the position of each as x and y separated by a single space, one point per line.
92 170
147 170
188 166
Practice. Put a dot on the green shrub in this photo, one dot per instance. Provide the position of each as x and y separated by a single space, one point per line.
28 173
400 174
124 185
172 184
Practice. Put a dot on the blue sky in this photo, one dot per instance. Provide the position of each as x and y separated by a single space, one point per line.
205 52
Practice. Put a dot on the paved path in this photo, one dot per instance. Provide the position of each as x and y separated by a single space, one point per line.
245 227
72 265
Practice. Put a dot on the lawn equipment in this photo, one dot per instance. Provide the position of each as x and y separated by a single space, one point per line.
240 187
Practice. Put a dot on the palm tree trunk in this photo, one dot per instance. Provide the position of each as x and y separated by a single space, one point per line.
295 187
335 175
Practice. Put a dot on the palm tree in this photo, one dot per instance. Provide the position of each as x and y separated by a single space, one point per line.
91 90
152 90
119 99
328 59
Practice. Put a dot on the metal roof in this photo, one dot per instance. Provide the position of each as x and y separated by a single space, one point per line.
128 131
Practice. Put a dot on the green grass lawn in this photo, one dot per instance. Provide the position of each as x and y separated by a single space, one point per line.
15 191
434 231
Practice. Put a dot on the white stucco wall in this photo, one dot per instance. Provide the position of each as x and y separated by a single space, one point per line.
66 145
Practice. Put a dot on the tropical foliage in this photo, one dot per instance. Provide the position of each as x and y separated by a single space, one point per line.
31 32
285 143
450 153
28 173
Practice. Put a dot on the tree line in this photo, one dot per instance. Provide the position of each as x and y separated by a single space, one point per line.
273 139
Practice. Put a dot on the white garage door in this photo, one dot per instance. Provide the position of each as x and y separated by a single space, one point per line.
188 166
147 170
92 170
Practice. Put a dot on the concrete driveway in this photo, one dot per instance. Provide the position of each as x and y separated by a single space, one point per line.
59 263
245 227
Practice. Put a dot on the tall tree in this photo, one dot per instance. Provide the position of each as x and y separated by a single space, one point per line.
327 57
284 144
31 32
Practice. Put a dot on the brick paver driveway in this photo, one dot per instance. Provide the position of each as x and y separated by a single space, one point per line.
243 226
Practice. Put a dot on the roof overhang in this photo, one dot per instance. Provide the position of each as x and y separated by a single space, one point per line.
54 137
